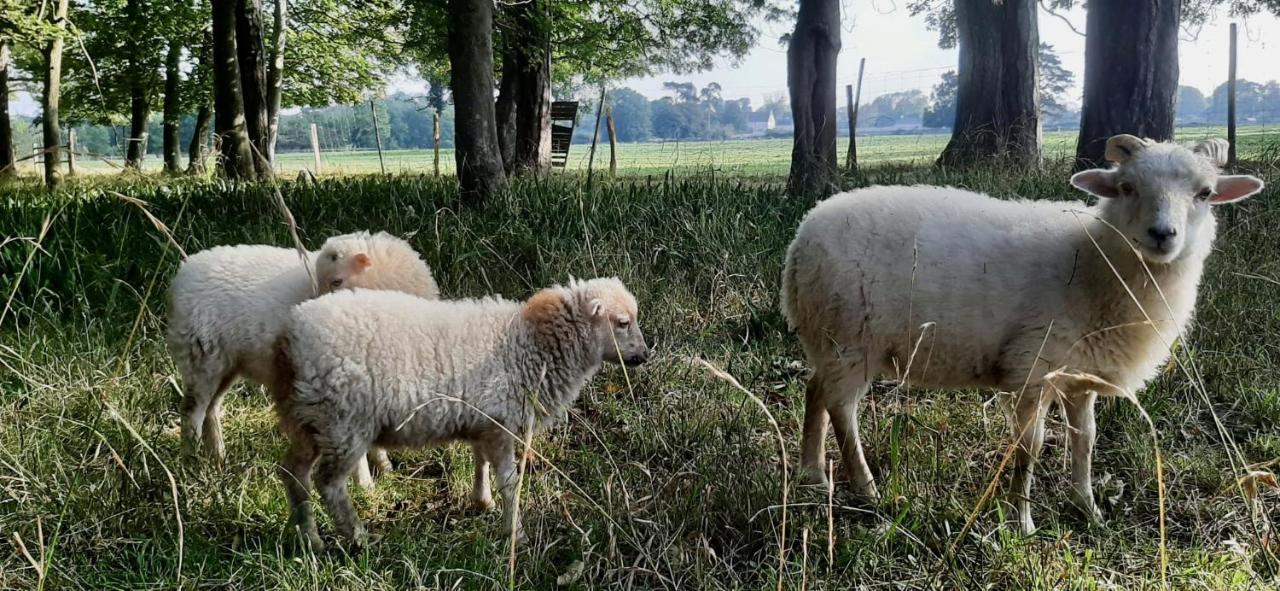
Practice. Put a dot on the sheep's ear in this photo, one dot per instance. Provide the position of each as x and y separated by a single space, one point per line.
595 308
1232 188
1120 148
1096 182
361 261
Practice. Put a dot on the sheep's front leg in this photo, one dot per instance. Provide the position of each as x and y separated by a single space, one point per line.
379 462
332 471
1029 416
481 493
813 440
1084 432
295 471
502 454
844 418
363 475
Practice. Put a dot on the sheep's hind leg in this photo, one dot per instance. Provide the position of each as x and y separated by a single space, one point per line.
813 440
214 445
843 400
1029 414
331 473
363 475
481 493
379 462
1084 432
502 454
295 471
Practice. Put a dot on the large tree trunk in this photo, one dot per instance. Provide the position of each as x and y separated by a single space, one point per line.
49 100
533 102
228 103
275 76
172 108
1130 73
196 149
251 51
139 112
505 107
997 113
480 172
811 78
8 162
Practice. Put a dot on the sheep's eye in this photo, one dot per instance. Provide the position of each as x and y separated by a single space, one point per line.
1126 188
335 283
1204 194
624 324
333 257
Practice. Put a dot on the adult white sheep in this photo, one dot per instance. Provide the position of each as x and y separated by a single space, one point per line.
1001 294
387 369
229 304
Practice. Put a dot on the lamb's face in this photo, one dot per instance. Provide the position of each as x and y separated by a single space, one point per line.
1160 194
613 309
342 265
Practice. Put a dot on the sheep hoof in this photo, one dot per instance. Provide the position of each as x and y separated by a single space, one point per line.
483 504
362 542
518 538
813 476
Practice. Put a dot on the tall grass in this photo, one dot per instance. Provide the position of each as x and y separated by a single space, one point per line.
664 478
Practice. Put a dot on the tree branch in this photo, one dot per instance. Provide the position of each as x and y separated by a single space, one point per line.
1061 17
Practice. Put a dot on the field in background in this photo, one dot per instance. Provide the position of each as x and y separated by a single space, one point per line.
746 156
661 478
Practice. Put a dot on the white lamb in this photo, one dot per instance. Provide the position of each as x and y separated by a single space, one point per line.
951 289
229 304
388 369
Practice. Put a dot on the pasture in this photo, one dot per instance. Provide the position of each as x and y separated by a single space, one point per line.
734 157
663 477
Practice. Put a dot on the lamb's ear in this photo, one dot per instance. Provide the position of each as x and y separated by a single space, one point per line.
1237 187
361 261
1120 148
1097 182
595 308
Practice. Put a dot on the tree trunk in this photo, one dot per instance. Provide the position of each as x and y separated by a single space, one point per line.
533 102
275 76
251 52
505 107
49 100
811 79
196 149
172 108
139 111
997 113
8 161
1130 73
228 103
480 172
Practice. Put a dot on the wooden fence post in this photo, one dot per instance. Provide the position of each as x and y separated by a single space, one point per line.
315 148
1231 102
853 118
595 136
377 137
613 143
435 135
71 152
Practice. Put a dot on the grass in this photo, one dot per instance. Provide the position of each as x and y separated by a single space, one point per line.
667 477
733 157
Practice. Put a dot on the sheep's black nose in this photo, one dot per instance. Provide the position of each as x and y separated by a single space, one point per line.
1161 233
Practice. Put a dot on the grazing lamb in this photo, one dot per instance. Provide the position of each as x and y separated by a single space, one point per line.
952 289
387 369
229 304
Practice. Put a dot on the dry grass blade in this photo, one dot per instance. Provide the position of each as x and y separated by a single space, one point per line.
159 225
724 376
35 247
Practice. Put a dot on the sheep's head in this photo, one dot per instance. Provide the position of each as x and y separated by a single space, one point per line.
373 261
1159 194
611 311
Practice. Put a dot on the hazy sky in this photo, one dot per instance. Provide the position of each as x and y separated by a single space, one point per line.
901 54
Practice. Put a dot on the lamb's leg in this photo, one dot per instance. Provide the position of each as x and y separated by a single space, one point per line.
331 473
813 440
362 474
502 454
379 462
481 493
202 383
213 442
1084 432
842 405
1029 415
295 471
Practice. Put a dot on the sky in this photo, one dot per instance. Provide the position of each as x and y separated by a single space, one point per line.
902 54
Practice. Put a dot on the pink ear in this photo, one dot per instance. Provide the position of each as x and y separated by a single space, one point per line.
1096 182
1234 188
361 261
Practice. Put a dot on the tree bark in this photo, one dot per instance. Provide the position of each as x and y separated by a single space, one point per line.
811 79
196 153
8 161
172 108
251 52
533 102
228 103
505 107
1130 73
480 172
275 76
139 111
997 112
50 98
